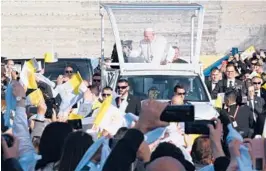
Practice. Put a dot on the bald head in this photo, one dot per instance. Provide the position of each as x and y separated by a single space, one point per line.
165 164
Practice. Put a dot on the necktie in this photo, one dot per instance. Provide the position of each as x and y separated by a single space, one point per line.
230 84
252 106
120 100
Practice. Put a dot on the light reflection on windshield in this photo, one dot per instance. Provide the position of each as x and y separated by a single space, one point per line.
162 87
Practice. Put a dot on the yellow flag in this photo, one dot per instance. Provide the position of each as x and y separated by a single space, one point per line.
32 65
248 52
50 57
96 105
32 84
102 110
218 102
73 116
264 86
75 82
36 97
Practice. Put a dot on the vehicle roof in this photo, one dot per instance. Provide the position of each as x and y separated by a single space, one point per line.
134 6
169 69
41 58
169 73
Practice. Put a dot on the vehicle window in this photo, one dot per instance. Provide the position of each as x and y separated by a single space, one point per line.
53 70
164 85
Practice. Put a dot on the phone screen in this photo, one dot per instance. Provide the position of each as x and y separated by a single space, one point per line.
259 164
178 113
33 110
198 127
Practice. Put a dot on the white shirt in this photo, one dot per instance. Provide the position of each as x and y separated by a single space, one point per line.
214 85
154 52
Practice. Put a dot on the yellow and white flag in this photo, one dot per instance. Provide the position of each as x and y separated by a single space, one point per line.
72 85
50 57
35 97
103 110
27 75
248 52
109 117
69 92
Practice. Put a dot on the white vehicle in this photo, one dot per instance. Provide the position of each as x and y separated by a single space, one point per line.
143 77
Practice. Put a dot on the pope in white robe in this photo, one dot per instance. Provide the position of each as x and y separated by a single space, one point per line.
152 49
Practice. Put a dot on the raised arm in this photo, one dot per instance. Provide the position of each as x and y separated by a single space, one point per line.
27 154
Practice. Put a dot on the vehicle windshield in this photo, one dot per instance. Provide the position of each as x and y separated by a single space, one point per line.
162 87
53 70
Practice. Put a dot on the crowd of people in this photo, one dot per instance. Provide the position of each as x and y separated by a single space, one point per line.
47 139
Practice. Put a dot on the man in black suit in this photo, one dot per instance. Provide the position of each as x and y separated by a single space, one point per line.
260 92
241 116
256 105
126 100
215 77
230 83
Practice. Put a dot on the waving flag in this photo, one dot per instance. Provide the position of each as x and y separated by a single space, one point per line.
50 57
35 97
69 92
27 75
71 86
102 110
86 159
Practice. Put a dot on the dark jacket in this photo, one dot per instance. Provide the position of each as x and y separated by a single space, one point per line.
208 84
133 106
221 87
179 61
243 118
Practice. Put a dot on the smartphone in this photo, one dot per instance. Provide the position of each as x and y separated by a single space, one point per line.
9 139
33 110
76 124
259 164
178 113
258 149
198 127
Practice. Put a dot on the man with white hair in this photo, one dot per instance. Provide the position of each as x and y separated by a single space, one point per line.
153 49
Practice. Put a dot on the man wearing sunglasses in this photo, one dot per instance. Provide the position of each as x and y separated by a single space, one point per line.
68 72
179 96
127 102
107 91
260 92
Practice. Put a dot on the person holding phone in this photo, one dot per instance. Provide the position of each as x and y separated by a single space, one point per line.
10 153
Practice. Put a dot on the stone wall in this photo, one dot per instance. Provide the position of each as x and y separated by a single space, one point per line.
72 27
